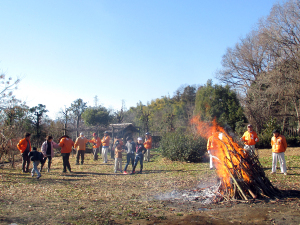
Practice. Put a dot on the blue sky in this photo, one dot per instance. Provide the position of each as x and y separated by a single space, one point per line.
131 50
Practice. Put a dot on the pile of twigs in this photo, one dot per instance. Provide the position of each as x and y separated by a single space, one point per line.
247 177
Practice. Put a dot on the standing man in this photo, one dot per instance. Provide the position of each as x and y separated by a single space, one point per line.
130 148
211 147
80 145
105 145
66 145
279 146
250 138
24 146
148 146
97 143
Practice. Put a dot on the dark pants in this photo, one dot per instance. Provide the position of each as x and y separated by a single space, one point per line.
112 153
139 157
80 153
25 160
130 157
66 162
49 161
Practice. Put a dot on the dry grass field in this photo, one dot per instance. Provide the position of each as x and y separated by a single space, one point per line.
94 194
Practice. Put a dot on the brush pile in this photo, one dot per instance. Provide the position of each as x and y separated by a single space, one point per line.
240 172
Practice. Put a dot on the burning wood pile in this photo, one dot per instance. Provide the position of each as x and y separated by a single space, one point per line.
240 172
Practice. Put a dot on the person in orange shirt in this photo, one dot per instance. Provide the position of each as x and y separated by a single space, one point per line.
118 154
279 146
80 145
105 145
250 138
24 146
97 143
66 145
148 146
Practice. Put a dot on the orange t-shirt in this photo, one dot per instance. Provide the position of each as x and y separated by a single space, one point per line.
278 144
249 138
66 145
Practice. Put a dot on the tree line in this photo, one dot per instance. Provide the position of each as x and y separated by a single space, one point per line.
260 84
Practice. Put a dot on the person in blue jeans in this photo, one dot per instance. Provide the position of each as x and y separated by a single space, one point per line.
130 148
36 157
140 151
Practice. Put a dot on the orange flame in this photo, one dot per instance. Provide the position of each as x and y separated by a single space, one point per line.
227 154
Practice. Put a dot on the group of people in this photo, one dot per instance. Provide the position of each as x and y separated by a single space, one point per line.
250 138
135 151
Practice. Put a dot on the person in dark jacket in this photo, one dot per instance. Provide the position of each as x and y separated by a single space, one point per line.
140 151
48 152
36 157
130 148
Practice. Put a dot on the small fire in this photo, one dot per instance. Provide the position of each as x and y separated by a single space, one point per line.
240 173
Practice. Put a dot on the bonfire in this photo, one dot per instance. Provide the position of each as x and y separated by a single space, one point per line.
240 172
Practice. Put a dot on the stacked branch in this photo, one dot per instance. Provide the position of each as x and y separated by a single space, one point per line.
247 179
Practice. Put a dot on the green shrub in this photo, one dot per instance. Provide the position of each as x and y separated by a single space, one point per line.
264 140
293 141
182 146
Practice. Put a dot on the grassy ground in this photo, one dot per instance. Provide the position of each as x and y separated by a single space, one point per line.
93 194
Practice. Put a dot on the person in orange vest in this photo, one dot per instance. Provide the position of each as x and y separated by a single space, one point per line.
148 146
80 145
97 143
66 145
118 154
24 146
279 146
105 145
250 138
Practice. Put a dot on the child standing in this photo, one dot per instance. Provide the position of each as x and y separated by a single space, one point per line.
118 154
36 157
140 151
130 147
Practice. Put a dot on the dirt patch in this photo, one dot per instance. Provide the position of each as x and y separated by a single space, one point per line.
94 194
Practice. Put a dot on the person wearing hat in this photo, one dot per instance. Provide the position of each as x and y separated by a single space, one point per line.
96 144
279 146
140 151
148 146
250 138
105 145
80 145
118 146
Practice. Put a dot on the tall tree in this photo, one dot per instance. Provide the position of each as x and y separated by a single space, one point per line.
77 108
216 101
96 116
38 113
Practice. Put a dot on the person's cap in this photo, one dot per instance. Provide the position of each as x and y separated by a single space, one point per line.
81 134
276 131
105 132
94 134
140 139
34 148
249 125
147 133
